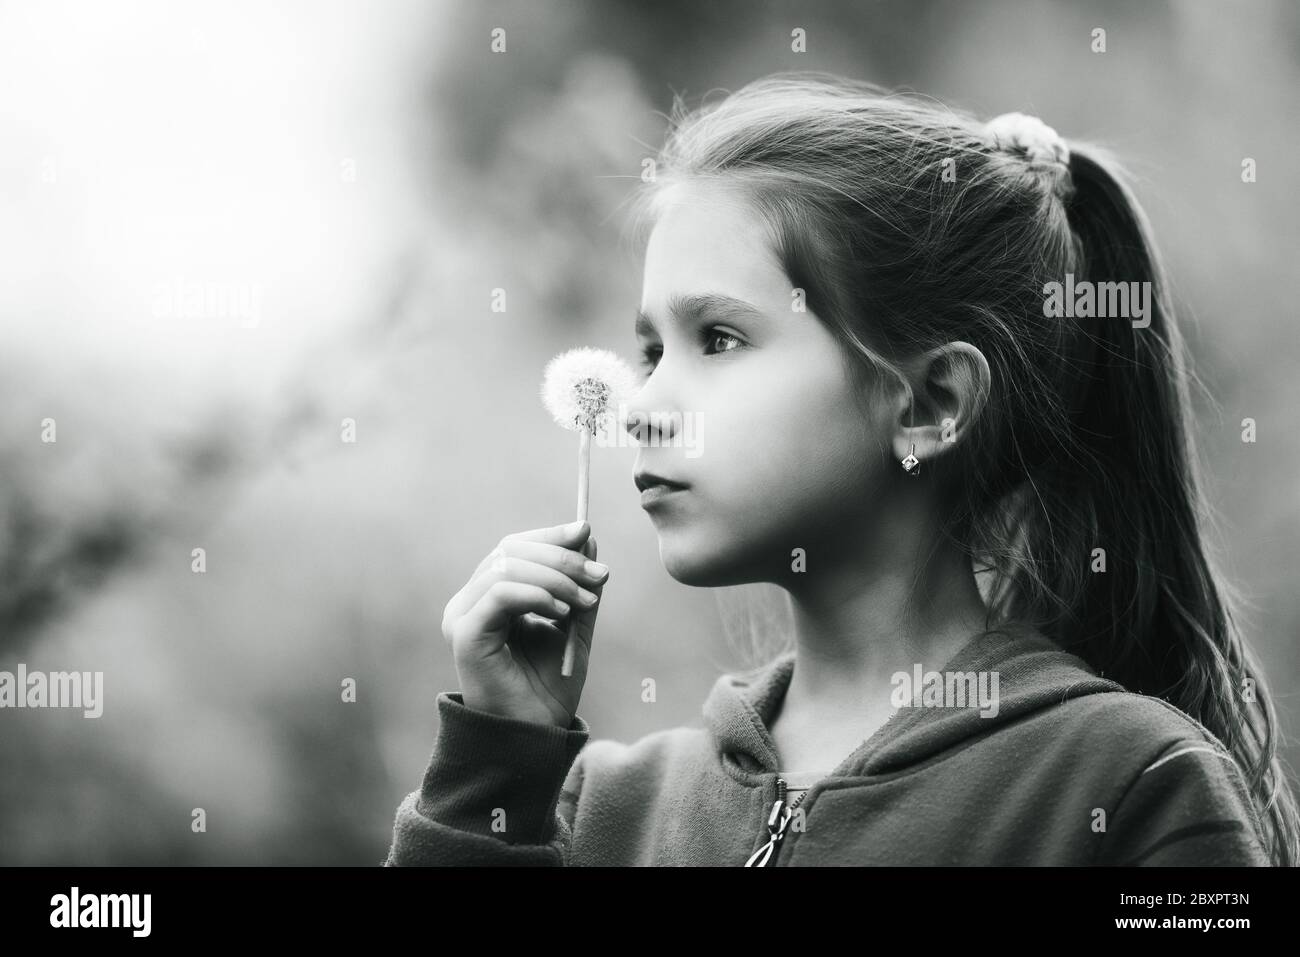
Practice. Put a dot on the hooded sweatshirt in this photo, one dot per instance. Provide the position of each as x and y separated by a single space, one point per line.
1063 768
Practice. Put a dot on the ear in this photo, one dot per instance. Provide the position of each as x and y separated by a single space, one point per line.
950 386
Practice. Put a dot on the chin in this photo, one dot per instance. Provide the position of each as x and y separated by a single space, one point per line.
699 562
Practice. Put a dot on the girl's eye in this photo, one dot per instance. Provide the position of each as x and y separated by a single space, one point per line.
650 356
647 363
716 334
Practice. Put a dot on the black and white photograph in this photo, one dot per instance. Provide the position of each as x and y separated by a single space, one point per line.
625 434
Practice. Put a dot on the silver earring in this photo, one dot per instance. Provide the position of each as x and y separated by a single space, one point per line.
911 464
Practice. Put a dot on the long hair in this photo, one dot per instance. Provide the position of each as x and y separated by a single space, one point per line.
1075 491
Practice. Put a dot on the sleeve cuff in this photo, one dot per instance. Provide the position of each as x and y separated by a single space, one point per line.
497 776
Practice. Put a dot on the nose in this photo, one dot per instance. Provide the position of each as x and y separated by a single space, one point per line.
650 420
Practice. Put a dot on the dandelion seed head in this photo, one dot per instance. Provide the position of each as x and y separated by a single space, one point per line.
580 387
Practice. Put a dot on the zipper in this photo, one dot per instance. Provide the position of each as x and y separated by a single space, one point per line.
778 819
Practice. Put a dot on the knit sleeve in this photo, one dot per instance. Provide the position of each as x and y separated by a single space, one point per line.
1188 807
493 793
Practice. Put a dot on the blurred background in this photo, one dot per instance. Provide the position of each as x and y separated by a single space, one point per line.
226 228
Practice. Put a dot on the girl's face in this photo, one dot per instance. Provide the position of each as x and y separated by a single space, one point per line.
749 404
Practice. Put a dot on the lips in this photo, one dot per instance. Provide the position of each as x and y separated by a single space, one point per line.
647 480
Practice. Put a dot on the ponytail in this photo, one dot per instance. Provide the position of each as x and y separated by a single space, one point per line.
1148 609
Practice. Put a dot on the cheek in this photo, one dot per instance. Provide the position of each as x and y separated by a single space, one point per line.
795 445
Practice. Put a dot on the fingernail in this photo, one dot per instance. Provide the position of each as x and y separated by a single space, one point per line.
573 528
596 569
564 608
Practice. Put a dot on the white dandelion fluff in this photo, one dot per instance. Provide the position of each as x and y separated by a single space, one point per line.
583 385
581 389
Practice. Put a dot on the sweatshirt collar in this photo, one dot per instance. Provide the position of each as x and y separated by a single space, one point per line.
1033 673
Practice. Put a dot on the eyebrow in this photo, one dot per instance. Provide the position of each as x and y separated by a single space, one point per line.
690 308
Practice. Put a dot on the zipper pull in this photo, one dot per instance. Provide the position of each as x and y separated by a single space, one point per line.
777 821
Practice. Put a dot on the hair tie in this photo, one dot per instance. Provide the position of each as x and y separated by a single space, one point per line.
1019 132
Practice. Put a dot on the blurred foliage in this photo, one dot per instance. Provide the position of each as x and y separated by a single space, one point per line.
329 560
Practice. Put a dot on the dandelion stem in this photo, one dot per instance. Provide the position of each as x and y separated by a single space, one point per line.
584 473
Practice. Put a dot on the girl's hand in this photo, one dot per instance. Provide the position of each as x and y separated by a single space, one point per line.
507 626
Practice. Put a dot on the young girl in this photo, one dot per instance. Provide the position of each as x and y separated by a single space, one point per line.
945 401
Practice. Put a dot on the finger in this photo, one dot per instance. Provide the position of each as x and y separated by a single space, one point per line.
512 568
557 537
568 561
534 620
491 614
570 535
534 627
